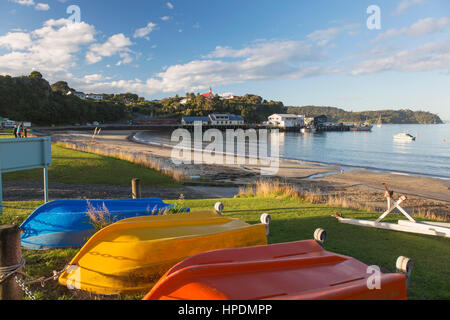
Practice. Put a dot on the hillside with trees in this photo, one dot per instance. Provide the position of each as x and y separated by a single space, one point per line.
31 98
387 116
253 108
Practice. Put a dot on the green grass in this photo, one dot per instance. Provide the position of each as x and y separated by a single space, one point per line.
293 220
77 167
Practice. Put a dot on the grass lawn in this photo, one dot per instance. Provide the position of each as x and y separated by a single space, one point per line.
77 167
292 220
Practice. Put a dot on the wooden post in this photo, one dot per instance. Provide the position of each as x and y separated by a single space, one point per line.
10 255
136 188
45 184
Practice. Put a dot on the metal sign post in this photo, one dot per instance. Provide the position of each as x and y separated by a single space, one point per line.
25 154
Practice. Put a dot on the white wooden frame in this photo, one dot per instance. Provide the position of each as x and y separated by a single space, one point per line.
429 228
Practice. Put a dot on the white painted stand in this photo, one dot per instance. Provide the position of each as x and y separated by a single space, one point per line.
429 228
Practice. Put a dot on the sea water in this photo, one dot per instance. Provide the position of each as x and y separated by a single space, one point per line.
428 155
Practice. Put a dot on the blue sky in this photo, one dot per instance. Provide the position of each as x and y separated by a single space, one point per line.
300 52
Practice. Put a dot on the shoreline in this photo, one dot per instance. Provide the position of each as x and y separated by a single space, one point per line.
359 187
345 167
319 163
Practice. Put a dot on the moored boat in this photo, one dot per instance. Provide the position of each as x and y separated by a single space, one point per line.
66 223
362 127
130 255
404 137
300 270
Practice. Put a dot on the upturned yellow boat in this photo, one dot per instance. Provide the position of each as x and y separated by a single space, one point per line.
131 255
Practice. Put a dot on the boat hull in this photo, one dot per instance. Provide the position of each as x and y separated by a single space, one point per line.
404 139
65 223
300 270
129 256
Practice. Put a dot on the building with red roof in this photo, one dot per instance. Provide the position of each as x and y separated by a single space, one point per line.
208 94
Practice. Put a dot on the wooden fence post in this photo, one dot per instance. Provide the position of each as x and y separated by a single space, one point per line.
136 188
10 255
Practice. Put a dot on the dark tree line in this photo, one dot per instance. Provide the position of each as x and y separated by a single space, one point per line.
31 98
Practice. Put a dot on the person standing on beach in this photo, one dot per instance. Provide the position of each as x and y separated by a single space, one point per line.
15 131
19 131
25 132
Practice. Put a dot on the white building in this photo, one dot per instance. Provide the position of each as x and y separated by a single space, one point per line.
94 96
227 96
6 123
78 94
286 120
225 119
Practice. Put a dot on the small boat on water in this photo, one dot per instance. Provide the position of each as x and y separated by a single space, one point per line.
66 223
300 270
380 123
362 127
130 256
404 137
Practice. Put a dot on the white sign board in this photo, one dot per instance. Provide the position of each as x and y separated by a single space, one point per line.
25 154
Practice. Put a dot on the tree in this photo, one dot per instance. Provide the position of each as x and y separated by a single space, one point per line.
36 74
61 86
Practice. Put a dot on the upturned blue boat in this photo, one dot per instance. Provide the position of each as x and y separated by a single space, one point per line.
66 223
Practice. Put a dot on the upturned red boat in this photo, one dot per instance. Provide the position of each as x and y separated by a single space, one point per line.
287 271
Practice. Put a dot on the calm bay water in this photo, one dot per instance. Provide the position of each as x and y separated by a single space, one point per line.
429 155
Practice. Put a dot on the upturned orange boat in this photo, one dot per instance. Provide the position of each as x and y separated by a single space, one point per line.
287 271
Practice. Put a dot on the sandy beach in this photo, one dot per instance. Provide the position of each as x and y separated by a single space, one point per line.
357 187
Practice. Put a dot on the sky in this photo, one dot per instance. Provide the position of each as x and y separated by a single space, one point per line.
346 53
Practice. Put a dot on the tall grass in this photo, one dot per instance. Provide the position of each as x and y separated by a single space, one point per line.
268 189
145 160
99 217
362 201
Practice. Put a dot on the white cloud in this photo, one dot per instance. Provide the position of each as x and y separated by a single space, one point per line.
165 18
170 5
42 7
50 49
142 32
126 58
405 4
16 41
325 36
24 2
428 57
262 61
117 43
92 77
419 28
